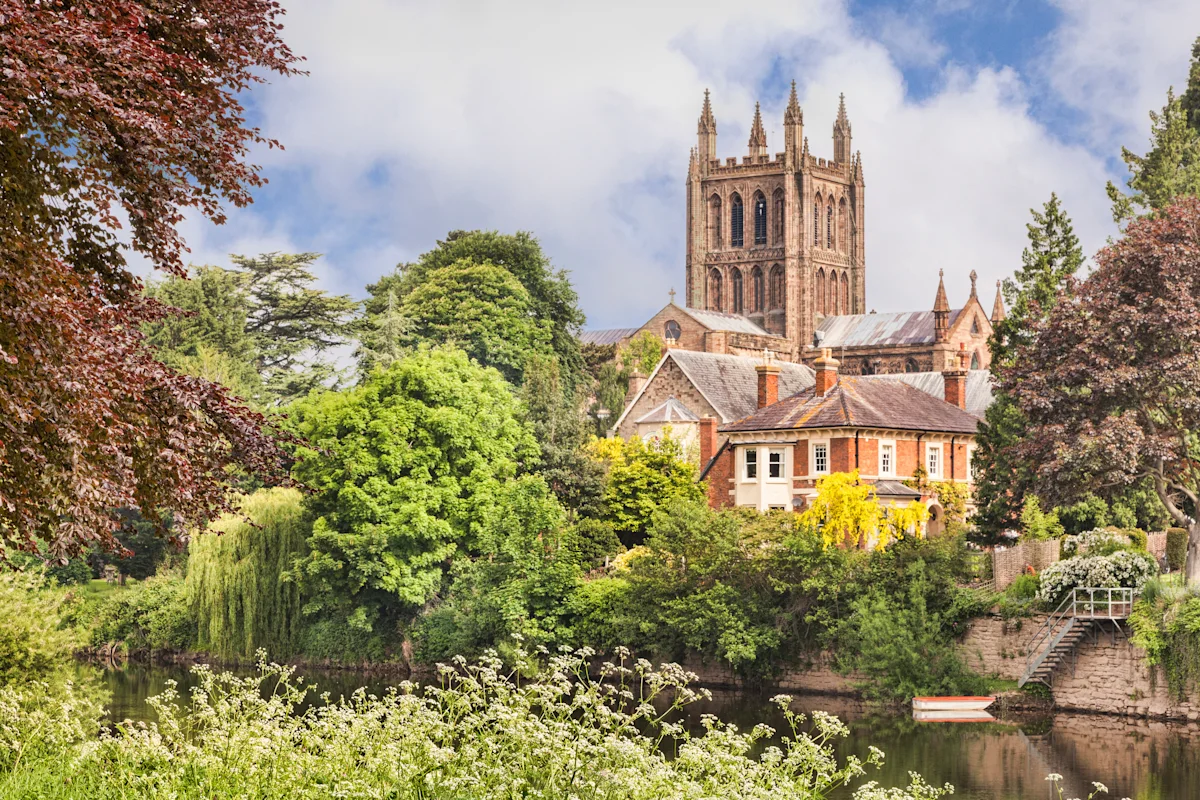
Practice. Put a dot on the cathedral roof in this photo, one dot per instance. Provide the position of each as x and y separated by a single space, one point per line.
979 386
720 321
670 411
879 330
606 336
861 402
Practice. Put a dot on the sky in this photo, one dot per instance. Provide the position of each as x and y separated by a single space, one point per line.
574 121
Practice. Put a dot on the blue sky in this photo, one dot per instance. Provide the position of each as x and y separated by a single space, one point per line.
575 121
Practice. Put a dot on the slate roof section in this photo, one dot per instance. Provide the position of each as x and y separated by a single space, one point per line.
891 488
606 336
730 383
879 330
670 411
861 403
720 321
979 386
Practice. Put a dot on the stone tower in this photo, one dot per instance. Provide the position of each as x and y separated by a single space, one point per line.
778 240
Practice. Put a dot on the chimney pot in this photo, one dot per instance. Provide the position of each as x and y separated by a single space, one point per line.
768 384
955 378
826 367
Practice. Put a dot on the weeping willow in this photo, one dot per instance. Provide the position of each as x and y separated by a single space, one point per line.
235 579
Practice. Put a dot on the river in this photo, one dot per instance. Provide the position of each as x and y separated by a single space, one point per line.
1004 760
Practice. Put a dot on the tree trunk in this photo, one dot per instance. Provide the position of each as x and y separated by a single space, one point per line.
1191 568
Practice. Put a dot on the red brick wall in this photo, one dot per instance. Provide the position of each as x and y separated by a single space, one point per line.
907 458
841 455
720 480
800 458
868 456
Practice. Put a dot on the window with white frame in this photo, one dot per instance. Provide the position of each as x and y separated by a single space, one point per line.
971 463
775 462
933 461
750 459
887 458
820 458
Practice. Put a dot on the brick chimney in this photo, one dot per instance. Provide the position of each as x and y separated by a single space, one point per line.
708 440
636 381
956 379
768 383
826 367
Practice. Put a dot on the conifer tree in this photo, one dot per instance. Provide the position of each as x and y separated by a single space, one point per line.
1052 257
1172 166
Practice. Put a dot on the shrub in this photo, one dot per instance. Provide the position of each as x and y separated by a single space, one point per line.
1177 542
1025 587
1166 624
154 614
1103 542
1124 568
32 642
1037 525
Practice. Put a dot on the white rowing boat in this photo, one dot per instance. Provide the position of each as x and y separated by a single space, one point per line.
951 715
951 703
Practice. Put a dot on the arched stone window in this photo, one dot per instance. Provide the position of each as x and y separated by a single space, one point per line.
714 222
819 285
829 226
714 291
776 293
760 218
739 306
671 330
975 360
845 304
777 222
911 365
843 225
832 288
736 226
817 221
756 281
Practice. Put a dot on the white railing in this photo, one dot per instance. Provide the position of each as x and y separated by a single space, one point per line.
1083 603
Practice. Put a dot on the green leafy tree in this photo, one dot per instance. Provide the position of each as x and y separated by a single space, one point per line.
404 469
1109 381
551 298
643 476
482 309
384 341
643 353
1052 257
1171 168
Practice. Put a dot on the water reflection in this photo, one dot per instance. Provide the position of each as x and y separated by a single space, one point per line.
1004 760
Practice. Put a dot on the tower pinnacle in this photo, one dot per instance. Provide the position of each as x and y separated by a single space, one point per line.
998 306
758 136
941 311
707 123
841 134
793 115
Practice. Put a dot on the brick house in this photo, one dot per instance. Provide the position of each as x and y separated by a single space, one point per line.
773 457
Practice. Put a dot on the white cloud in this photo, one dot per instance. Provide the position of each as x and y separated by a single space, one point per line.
575 121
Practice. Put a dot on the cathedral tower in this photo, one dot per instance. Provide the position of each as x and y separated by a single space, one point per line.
778 240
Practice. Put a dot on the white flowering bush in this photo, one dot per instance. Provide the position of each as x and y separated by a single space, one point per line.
1124 568
481 732
1082 543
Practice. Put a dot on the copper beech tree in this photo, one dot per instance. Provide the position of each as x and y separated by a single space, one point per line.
111 111
1110 381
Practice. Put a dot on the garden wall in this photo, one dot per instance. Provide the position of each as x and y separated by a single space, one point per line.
1009 563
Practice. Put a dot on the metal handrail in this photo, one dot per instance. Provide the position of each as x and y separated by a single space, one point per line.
1084 602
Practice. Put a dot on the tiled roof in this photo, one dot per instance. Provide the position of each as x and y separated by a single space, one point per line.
730 383
606 336
879 330
979 386
670 411
720 321
887 488
861 403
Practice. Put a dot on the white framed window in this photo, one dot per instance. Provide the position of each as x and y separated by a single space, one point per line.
887 459
820 458
750 463
971 463
775 462
933 461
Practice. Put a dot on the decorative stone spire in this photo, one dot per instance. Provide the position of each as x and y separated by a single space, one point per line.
974 278
692 165
793 129
857 172
941 311
998 306
758 136
706 130
841 134
707 124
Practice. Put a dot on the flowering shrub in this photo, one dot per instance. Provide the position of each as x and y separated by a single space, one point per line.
480 733
1123 568
1092 540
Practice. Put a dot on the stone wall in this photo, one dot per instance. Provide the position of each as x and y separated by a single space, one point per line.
1008 564
995 646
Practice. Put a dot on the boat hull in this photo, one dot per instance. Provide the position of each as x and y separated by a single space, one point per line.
952 703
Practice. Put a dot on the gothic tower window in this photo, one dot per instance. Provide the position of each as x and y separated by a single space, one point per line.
829 226
831 298
974 360
842 226
736 228
776 295
820 291
714 222
817 221
714 290
760 219
739 306
756 280
845 295
778 220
